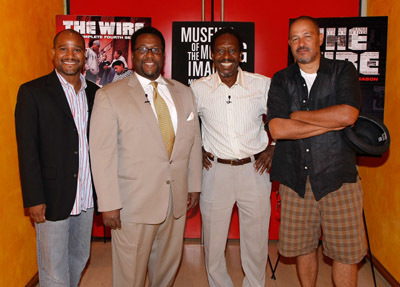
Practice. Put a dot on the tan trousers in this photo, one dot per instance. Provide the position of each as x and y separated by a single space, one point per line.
223 185
156 247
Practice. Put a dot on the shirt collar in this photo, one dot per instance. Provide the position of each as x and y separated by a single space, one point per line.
323 66
145 82
65 84
239 80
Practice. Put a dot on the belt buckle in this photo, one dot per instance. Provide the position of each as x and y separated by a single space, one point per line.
234 160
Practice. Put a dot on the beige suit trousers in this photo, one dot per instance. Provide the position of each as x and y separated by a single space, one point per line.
223 186
156 247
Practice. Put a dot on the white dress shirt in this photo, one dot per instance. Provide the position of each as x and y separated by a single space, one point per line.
232 118
164 93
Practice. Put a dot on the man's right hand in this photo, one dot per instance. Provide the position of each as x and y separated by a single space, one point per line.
112 219
37 213
207 156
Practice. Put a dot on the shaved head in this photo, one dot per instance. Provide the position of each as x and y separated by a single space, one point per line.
311 19
69 32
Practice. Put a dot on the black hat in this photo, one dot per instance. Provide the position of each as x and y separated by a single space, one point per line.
368 136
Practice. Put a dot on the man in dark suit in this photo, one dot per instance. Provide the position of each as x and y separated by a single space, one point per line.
52 119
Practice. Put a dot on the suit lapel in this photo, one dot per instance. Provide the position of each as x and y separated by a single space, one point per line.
138 95
177 98
90 91
57 93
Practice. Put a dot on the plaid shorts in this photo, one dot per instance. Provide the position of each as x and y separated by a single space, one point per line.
339 213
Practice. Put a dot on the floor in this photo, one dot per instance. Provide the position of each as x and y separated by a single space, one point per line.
192 272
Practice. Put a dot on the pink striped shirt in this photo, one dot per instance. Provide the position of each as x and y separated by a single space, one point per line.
79 109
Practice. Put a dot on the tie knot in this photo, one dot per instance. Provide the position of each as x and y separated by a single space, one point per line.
154 84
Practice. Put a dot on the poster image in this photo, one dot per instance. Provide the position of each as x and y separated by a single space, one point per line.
191 51
107 40
362 41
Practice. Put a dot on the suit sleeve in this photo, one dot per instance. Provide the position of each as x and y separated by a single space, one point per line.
195 161
27 132
104 153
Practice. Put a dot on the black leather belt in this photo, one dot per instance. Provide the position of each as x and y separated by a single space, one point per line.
238 161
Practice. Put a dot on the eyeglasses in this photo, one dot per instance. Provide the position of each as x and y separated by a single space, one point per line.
145 50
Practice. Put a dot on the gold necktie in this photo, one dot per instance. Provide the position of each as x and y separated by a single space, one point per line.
164 119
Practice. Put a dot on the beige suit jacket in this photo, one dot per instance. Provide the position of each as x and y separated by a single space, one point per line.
130 165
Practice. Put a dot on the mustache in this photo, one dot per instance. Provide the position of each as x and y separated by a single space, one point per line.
302 48
71 60
227 61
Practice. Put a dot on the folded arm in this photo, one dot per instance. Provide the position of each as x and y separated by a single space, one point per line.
293 129
338 116
304 124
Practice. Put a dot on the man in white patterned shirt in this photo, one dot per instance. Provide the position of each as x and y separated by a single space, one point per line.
51 120
236 156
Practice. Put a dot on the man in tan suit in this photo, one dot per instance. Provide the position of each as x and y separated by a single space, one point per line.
146 156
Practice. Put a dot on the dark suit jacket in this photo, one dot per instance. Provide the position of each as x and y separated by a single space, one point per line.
48 145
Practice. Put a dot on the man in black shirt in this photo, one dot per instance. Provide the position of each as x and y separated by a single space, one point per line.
309 103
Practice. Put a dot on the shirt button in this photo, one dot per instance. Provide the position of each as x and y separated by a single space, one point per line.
304 101
304 85
307 150
305 167
75 175
75 152
167 182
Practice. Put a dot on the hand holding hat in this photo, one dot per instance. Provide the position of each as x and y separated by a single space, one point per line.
368 136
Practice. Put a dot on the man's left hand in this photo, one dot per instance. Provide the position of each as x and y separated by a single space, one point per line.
193 199
263 163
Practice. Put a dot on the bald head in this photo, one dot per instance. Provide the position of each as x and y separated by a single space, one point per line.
305 41
306 18
69 54
68 32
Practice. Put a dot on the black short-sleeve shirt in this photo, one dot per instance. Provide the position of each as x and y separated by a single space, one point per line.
325 159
